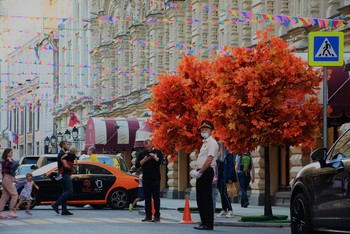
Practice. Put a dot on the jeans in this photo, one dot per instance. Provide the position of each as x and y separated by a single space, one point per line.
67 186
225 200
151 189
244 180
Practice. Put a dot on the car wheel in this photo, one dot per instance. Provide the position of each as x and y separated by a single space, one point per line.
97 207
118 199
300 216
34 203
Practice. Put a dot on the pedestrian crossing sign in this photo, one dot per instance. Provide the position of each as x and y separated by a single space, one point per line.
326 48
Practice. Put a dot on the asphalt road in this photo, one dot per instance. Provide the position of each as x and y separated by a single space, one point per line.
87 220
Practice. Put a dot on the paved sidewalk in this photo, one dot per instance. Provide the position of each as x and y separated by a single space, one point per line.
169 211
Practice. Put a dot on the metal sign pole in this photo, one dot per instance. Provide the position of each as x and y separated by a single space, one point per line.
325 104
326 49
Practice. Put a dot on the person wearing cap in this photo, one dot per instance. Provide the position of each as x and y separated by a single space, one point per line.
204 175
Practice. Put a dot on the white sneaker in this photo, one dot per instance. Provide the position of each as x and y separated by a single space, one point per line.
229 214
59 177
222 214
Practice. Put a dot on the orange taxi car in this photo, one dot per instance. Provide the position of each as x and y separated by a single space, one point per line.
94 183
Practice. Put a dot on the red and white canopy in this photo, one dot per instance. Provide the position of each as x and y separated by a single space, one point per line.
142 134
109 134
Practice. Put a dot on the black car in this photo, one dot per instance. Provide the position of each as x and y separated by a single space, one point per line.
320 197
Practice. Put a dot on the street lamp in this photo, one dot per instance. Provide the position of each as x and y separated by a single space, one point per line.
46 145
60 137
75 133
53 140
67 134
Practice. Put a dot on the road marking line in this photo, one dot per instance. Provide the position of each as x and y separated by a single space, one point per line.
108 220
36 221
84 220
12 222
166 221
60 220
129 220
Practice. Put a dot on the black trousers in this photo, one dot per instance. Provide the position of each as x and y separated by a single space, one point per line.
151 189
204 197
225 200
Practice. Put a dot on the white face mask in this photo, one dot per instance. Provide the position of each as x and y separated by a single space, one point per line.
205 135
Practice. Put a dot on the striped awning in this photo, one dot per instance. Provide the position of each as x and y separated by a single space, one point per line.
142 134
111 135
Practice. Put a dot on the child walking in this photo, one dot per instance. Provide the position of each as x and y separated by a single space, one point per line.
140 196
26 192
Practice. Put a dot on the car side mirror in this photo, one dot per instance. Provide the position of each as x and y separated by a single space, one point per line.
319 155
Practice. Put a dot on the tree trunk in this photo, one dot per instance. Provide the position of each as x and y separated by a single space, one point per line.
268 207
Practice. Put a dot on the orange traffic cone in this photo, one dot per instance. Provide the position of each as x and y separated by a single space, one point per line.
153 210
187 214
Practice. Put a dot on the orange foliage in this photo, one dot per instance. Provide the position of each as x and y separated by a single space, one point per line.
259 96
260 99
175 103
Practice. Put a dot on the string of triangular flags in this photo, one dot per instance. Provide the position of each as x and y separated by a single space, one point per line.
246 16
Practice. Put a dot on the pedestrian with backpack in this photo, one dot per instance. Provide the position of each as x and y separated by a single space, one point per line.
245 171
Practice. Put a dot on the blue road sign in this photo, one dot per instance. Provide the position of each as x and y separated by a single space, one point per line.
326 48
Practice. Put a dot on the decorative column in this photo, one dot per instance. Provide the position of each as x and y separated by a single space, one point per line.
173 179
247 28
258 187
133 160
183 160
192 190
296 161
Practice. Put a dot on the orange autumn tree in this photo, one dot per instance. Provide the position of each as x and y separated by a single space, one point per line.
265 96
174 105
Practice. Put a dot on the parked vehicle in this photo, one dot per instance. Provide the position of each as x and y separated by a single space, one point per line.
39 160
25 168
320 197
46 159
94 183
109 159
32 159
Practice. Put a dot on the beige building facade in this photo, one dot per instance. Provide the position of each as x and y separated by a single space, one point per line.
126 55
24 91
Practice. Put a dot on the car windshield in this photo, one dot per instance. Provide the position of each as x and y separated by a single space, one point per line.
30 160
342 147
24 169
51 160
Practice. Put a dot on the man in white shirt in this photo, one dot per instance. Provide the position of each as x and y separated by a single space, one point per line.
204 175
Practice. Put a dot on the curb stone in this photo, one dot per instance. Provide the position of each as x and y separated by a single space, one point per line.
251 224
235 223
142 212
